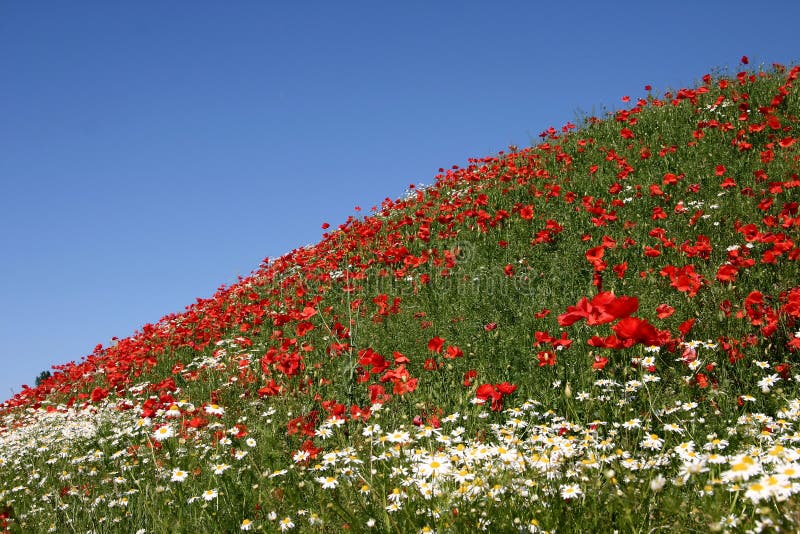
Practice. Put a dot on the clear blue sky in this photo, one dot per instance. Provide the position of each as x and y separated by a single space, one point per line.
151 151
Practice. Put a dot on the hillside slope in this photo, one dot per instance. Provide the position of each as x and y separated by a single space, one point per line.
601 329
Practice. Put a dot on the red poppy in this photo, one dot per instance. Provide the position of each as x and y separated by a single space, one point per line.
436 344
303 328
99 394
495 392
686 326
664 310
506 388
196 422
727 273
469 376
701 380
526 212
784 370
308 312
547 358
485 391
651 252
603 308
599 363
632 330
453 352
595 257
270 389
400 358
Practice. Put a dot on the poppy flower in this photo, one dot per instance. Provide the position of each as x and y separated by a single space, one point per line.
686 326
400 358
526 212
632 330
197 422
453 352
547 358
595 257
664 310
436 344
486 391
727 273
99 394
469 376
495 393
506 389
605 307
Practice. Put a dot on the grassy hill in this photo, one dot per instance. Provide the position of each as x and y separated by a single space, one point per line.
597 332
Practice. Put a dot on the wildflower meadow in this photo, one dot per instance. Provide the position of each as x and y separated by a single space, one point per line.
600 332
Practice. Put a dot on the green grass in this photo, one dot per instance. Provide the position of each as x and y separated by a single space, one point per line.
341 387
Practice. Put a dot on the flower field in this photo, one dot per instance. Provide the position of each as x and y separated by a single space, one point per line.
599 332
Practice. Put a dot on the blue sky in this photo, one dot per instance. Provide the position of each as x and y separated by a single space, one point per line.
152 151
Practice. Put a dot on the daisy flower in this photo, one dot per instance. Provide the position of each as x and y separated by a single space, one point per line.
657 483
789 470
767 382
757 492
743 467
210 495
215 409
570 491
672 427
398 436
218 469
163 432
323 433
633 423
653 442
434 466
301 456
328 482
179 475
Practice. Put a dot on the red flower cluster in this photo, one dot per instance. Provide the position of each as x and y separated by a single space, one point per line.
606 308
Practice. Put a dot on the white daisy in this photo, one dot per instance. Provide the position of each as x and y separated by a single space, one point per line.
163 432
179 475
